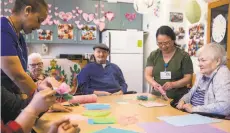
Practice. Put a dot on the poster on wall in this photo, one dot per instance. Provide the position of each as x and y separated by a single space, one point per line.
176 17
45 35
196 38
65 31
180 36
89 32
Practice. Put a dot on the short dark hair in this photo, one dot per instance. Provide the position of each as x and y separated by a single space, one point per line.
35 4
166 30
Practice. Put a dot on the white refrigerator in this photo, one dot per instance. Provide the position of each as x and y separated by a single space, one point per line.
126 51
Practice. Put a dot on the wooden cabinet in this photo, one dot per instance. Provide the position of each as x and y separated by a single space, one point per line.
219 12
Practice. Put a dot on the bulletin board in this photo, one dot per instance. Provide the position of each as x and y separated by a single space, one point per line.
218 27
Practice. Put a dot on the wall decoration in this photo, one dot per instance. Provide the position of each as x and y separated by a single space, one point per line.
180 33
65 31
65 16
45 35
89 32
219 28
176 17
196 38
88 17
79 26
156 9
143 6
109 15
56 22
47 21
193 11
130 16
101 26
11 1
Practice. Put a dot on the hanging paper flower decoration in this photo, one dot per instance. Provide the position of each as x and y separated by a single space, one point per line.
193 11
143 6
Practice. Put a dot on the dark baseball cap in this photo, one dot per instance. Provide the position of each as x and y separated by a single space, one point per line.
101 46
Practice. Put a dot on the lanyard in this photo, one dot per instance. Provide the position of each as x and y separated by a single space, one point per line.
166 65
19 46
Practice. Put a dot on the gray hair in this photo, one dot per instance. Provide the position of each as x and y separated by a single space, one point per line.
213 50
34 56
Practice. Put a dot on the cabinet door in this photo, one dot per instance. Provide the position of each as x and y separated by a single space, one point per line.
90 33
64 12
46 32
112 9
130 19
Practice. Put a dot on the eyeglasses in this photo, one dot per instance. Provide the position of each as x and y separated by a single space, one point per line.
36 64
167 43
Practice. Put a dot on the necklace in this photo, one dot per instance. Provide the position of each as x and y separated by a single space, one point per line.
12 23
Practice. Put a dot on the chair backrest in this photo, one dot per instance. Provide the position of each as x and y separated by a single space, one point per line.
63 70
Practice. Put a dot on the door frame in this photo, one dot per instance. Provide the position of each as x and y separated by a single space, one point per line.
214 5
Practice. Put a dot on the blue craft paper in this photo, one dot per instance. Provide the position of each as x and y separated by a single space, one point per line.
190 119
97 106
90 121
114 130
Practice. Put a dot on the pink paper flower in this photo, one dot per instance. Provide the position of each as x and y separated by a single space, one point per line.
63 89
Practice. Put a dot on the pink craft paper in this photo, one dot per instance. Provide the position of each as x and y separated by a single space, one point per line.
130 16
96 21
101 26
109 15
65 16
84 99
128 120
79 11
63 89
88 17
102 19
56 22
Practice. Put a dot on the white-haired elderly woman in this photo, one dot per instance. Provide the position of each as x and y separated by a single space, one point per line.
211 91
35 67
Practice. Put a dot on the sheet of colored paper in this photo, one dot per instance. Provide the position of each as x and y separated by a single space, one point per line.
152 104
96 113
102 120
162 127
97 106
190 119
114 130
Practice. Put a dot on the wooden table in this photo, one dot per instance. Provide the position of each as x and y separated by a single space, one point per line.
143 114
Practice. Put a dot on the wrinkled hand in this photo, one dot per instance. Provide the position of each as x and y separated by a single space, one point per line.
102 93
63 126
118 93
60 108
180 104
168 86
42 101
187 107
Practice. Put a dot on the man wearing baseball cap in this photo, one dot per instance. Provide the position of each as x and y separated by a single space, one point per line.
102 77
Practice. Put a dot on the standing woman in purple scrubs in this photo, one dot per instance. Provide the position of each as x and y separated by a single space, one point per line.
27 15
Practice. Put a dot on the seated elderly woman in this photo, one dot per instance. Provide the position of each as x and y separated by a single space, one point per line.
211 91
36 72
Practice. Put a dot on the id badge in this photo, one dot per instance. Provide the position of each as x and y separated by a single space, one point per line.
165 75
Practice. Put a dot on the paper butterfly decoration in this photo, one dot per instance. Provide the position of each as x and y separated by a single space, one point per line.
65 16
47 21
130 16
88 17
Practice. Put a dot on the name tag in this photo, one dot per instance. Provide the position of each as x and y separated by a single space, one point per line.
165 75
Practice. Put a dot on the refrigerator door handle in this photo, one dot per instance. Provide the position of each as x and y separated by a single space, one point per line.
109 47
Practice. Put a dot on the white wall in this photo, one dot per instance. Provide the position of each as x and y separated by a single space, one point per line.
154 23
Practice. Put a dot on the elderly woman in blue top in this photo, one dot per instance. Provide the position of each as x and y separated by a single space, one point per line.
102 77
211 91
27 15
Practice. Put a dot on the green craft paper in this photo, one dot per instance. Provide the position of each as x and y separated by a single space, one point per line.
104 120
193 11
67 97
96 113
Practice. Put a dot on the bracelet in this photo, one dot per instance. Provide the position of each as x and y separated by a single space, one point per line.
30 113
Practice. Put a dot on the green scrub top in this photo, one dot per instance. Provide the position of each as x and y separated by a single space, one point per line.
179 65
